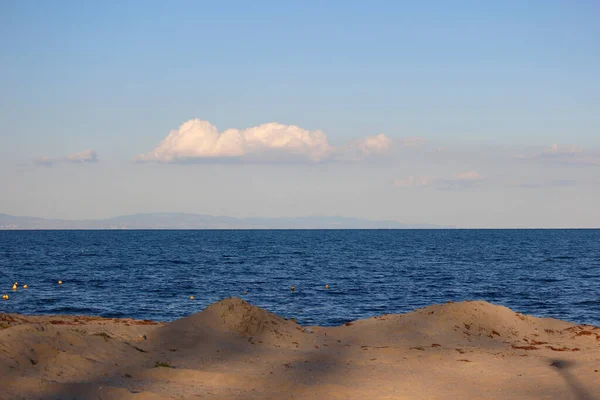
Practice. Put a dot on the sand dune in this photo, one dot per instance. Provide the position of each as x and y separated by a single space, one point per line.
233 350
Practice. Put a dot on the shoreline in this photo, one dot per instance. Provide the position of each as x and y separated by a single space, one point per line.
234 350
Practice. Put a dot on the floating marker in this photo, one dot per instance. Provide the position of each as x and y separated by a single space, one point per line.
326 286
245 292
5 297
24 286
191 297
293 288
60 282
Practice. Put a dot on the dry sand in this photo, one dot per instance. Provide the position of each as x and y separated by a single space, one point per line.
232 350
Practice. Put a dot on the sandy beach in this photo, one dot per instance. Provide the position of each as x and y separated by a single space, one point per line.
233 350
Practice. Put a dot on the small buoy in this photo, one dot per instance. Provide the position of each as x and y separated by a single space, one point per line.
5 297
24 286
191 297
15 286
326 286
60 282
293 288
245 292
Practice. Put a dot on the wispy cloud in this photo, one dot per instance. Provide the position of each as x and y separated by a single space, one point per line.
87 156
461 180
412 141
415 181
543 183
200 141
564 154
468 176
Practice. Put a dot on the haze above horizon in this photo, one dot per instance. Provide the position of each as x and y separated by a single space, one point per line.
478 115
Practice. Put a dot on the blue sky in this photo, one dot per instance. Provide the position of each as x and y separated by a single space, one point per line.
494 85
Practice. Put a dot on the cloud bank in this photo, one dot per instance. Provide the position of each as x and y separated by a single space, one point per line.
86 156
197 141
462 180
566 155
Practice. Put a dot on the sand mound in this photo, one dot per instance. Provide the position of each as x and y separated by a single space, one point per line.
233 350
232 316
476 323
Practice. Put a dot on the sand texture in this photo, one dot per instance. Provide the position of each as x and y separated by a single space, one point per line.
233 350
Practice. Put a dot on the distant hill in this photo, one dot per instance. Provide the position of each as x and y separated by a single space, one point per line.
196 221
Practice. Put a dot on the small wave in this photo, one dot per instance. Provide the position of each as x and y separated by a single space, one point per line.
46 301
113 314
177 262
330 292
99 284
548 280
487 295
588 303
565 258
32 264
72 310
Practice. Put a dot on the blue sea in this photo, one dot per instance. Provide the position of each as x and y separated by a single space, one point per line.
152 274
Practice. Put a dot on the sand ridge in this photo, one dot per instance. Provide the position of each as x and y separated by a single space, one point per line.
233 350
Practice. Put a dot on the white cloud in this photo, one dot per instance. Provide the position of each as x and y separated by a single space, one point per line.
87 156
198 140
374 144
461 180
82 157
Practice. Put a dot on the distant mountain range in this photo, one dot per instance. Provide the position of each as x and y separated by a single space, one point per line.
195 221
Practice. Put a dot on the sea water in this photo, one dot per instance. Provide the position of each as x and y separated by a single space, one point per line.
152 274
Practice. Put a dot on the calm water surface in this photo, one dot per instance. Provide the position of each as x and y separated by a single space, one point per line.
151 274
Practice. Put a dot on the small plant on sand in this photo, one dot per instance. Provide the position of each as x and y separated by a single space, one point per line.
162 364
